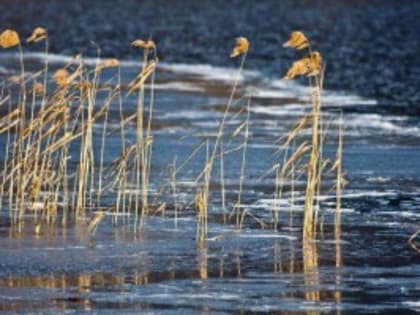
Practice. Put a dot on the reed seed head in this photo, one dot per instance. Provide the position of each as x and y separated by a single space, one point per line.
38 34
37 88
315 63
309 66
61 77
241 47
9 38
144 44
297 40
109 63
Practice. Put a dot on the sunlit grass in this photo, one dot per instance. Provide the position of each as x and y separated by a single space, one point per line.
53 114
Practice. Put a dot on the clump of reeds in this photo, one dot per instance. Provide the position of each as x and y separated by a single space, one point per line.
48 117
310 66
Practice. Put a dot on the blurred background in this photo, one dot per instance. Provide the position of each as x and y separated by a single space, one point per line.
370 47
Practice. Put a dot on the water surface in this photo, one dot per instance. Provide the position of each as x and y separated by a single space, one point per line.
366 267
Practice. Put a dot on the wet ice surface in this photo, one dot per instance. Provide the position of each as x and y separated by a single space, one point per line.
162 270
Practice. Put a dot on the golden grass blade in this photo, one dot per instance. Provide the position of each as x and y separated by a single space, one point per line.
238 130
142 77
299 152
300 125
93 223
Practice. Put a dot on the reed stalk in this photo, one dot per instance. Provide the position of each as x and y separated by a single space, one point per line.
240 49
313 169
310 66
174 193
240 217
222 182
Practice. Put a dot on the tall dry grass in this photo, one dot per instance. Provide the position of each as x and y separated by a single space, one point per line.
52 114
312 67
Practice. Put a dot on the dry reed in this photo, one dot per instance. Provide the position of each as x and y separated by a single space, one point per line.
36 175
310 66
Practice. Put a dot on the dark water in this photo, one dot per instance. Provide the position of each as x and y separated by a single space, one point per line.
366 268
